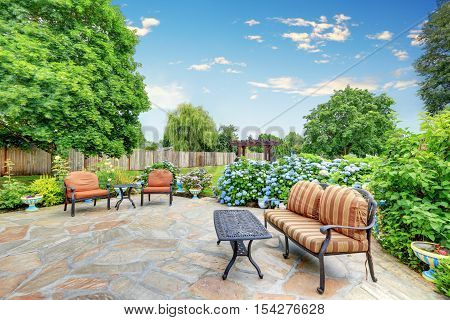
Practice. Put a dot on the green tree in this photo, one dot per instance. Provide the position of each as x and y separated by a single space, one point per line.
226 135
190 128
352 121
68 78
262 137
434 64
292 143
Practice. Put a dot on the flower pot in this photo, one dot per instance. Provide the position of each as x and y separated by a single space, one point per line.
263 203
31 202
425 252
179 186
195 192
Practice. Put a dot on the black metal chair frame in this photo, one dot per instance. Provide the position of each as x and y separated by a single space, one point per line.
170 193
326 230
73 200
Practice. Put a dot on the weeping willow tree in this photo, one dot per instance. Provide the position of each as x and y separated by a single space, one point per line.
190 128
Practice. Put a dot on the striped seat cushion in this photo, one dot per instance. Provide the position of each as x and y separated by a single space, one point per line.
306 231
304 199
346 207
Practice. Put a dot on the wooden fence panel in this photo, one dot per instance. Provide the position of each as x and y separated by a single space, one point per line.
35 161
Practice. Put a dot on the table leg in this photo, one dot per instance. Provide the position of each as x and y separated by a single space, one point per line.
129 197
230 264
253 261
121 199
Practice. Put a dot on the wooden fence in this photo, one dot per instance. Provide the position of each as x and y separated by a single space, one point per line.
35 161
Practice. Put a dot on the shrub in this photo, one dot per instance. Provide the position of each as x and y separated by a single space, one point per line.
105 172
159 165
264 180
442 277
242 181
412 183
60 168
50 189
11 190
196 179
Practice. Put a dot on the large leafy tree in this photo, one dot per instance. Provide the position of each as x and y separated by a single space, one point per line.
434 64
292 143
225 136
190 128
352 121
68 78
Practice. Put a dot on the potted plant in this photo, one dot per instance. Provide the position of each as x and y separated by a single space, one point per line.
431 254
31 201
195 181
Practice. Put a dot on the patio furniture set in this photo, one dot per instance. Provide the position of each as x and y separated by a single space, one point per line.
322 220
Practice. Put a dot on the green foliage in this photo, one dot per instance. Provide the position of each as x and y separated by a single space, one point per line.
151 146
190 128
12 190
225 136
196 179
412 182
68 78
50 189
262 137
442 277
291 144
60 168
215 171
159 165
105 172
434 64
352 121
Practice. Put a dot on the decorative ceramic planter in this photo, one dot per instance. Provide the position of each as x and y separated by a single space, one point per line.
425 252
263 203
179 186
31 202
195 192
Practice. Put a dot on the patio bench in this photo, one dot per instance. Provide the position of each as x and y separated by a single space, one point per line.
326 220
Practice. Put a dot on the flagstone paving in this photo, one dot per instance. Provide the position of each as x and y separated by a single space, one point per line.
162 252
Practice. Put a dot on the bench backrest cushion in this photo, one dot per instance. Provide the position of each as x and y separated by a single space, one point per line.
81 181
304 199
344 206
160 178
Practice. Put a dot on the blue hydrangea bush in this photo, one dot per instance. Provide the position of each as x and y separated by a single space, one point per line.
246 180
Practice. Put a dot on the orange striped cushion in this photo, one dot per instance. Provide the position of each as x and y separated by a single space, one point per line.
304 199
346 207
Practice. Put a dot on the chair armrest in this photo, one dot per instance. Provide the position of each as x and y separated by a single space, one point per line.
326 229
72 189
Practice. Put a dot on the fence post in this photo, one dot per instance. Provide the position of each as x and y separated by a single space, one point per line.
5 157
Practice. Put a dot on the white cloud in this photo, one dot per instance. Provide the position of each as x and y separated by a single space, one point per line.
166 97
321 31
292 85
253 96
359 56
322 61
256 38
200 67
252 22
414 36
230 70
206 90
147 25
400 54
341 18
401 84
274 47
175 62
384 35
221 60
400 71
217 60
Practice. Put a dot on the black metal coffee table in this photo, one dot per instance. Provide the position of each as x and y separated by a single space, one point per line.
125 193
237 226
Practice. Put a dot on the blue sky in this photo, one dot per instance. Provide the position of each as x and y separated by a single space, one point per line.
246 62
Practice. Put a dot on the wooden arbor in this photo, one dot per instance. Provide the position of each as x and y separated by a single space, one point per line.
266 144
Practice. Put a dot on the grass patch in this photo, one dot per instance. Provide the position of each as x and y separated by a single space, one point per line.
27 180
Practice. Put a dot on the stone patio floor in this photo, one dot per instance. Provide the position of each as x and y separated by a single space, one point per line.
162 252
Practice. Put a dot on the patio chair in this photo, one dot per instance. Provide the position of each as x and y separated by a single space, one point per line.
160 181
81 186
326 220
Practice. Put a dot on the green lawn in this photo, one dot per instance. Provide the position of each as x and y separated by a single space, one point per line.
24 179
216 172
